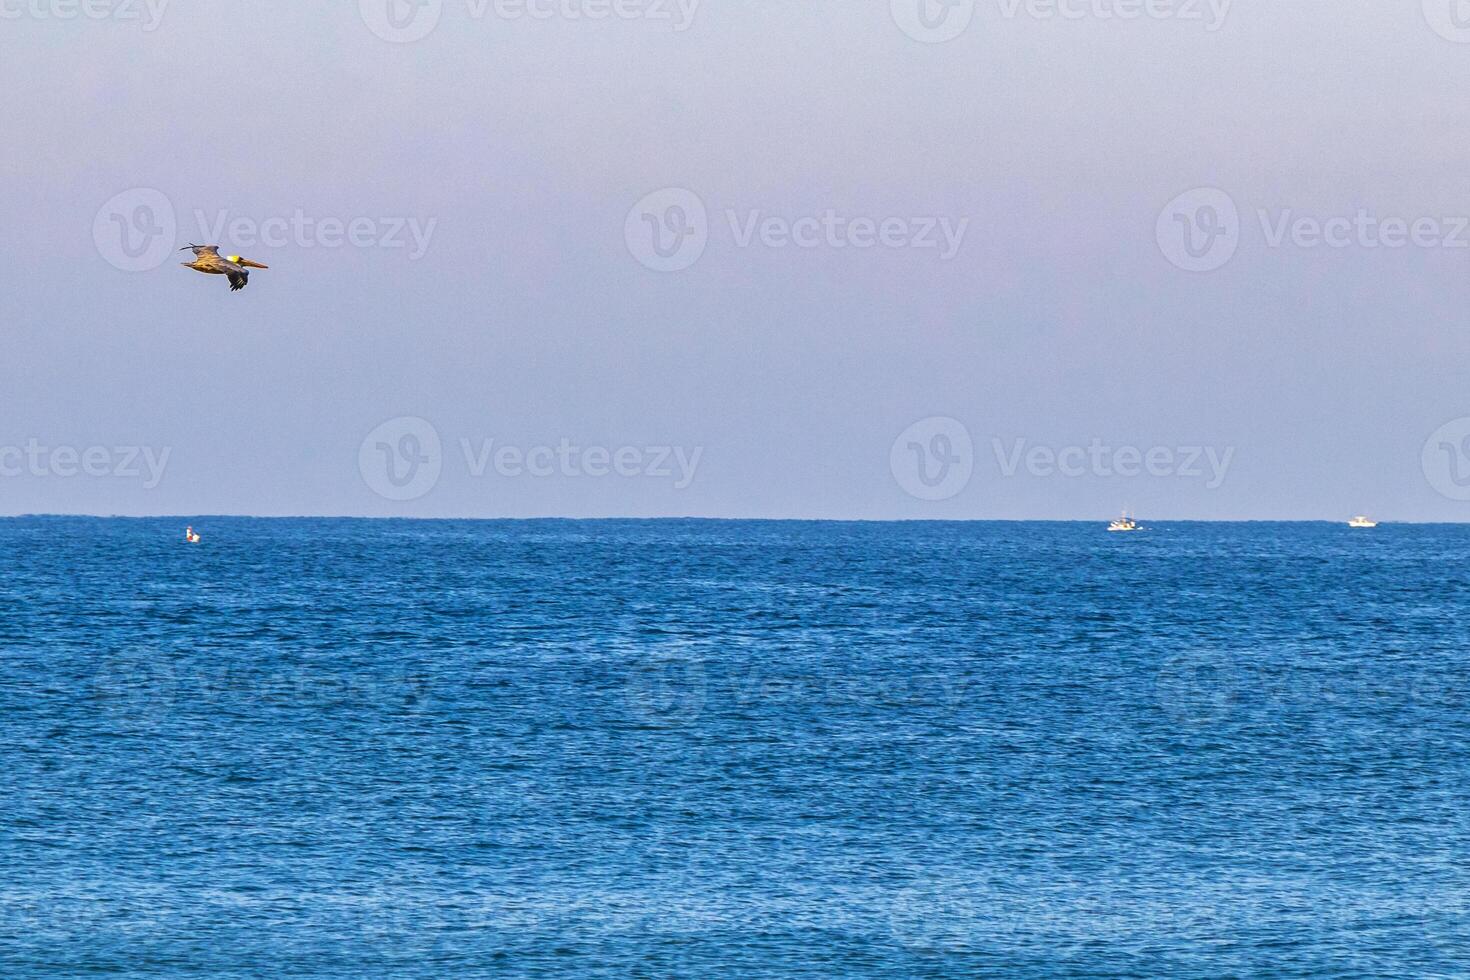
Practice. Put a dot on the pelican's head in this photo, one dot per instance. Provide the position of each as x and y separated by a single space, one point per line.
247 263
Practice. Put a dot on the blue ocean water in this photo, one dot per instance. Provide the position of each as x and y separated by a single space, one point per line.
335 748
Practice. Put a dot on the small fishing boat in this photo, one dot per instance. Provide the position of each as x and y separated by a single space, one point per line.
1125 523
1361 521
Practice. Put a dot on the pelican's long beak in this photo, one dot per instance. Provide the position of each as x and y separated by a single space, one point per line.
247 263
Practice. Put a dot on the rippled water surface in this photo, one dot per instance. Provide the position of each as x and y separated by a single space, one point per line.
351 748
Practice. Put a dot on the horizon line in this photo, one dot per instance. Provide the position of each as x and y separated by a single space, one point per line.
671 518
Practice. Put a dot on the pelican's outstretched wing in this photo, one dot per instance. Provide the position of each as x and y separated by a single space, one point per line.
238 279
201 249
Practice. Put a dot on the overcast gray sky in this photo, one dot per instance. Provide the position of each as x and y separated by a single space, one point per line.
746 259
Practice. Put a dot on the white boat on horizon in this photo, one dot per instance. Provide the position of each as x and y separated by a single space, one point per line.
1361 521
1125 523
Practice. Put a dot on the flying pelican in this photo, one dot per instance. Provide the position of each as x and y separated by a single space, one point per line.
207 259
